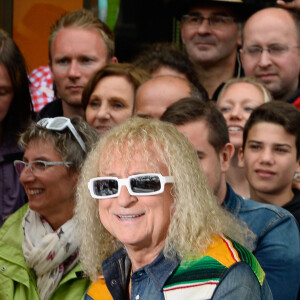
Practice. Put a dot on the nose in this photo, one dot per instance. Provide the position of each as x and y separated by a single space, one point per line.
235 113
74 70
125 199
103 111
266 156
204 27
26 175
264 59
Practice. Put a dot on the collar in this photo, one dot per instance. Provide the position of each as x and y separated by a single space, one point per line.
233 201
118 266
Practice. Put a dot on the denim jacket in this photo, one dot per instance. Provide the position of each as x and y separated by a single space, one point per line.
277 244
151 281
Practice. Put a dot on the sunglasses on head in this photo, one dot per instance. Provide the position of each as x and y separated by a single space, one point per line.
137 185
59 124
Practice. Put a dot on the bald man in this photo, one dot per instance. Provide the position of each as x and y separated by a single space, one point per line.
271 53
156 94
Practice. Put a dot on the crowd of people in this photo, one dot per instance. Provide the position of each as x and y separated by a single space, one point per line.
171 176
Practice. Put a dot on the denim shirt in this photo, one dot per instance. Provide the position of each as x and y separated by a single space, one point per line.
277 244
238 282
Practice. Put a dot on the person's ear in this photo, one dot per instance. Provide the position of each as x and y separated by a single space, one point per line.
241 163
239 38
114 60
225 157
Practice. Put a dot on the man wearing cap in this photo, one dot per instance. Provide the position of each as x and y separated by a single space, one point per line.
211 33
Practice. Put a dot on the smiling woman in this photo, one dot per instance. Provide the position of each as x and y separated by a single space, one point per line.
150 225
42 233
237 99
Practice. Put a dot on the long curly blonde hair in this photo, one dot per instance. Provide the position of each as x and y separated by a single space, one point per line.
196 218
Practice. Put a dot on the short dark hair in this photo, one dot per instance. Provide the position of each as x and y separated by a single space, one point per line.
279 113
169 55
190 109
20 111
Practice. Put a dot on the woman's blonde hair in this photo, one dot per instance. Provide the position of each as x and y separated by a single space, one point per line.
196 216
250 80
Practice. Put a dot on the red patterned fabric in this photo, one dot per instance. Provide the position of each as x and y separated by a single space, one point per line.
41 87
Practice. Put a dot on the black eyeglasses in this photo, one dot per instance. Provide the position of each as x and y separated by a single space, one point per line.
137 185
37 166
214 21
59 124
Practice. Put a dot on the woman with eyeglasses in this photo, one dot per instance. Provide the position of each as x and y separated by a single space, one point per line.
39 243
108 97
16 112
150 227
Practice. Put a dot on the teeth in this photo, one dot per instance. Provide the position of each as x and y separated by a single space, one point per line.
34 192
128 217
233 128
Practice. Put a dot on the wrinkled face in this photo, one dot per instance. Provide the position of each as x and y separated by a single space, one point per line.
138 222
76 54
154 96
110 103
51 191
206 45
211 162
236 105
270 158
279 72
6 92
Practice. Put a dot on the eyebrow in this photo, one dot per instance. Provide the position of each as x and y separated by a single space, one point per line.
276 144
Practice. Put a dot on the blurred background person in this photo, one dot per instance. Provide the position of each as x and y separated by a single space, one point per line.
236 101
158 226
109 95
16 111
38 243
157 93
167 59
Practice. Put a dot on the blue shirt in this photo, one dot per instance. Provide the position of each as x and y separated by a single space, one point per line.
238 282
277 244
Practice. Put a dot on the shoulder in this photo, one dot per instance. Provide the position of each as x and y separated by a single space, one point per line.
201 275
51 110
265 215
239 282
13 224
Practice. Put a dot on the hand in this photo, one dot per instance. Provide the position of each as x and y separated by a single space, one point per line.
293 4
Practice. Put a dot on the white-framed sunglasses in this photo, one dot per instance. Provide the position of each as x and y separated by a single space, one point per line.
59 124
137 185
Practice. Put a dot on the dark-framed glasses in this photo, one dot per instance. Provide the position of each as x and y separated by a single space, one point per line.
214 21
37 166
275 50
59 124
137 185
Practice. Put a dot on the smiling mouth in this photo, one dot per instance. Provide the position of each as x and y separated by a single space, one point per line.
235 128
129 217
34 192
